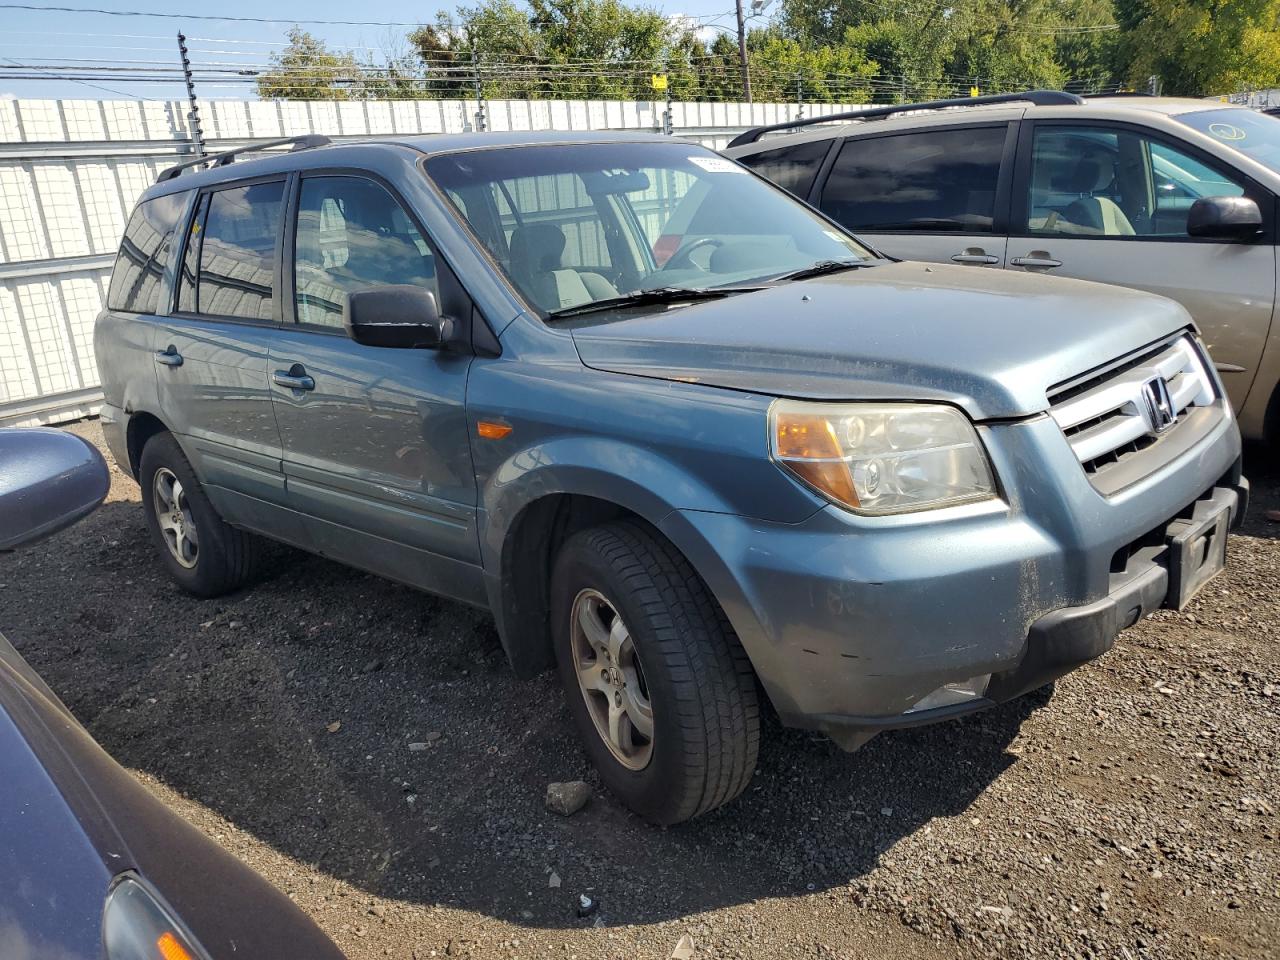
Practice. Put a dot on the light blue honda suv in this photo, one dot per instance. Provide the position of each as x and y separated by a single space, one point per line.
690 442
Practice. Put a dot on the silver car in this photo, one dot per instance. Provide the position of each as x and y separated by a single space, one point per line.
1173 196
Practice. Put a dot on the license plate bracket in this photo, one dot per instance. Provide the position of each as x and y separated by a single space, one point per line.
1198 548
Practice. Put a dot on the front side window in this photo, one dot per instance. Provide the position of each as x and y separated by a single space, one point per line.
144 255
791 168
352 234
932 181
1113 182
229 266
575 225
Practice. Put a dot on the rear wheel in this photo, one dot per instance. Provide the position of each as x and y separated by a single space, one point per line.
204 554
661 691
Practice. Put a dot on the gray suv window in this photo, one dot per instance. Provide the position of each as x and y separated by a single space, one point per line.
353 234
932 181
791 168
144 255
231 253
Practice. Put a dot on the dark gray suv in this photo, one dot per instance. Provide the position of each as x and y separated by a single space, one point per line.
688 440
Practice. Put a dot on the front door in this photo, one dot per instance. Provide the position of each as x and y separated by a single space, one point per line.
211 352
928 194
376 450
1109 202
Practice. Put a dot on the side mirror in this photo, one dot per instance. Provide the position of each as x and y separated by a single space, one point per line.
48 480
1224 218
398 315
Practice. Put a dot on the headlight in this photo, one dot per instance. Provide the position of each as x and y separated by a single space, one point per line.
879 458
136 927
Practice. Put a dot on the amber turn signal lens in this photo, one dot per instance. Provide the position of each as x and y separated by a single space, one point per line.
492 430
807 444
170 948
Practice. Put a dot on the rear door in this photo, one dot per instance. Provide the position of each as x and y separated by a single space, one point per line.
1109 202
933 194
212 350
376 450
125 332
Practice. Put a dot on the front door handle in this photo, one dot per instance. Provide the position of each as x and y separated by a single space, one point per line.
975 255
169 357
1036 258
295 378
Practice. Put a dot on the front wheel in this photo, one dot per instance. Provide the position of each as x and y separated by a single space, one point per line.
661 691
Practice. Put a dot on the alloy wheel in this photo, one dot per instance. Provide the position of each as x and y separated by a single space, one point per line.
177 526
611 679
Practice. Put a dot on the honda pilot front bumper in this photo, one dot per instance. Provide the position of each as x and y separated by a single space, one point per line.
1162 575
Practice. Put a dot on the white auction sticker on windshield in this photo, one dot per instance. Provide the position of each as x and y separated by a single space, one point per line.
717 165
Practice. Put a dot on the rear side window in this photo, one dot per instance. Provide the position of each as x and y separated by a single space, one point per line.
144 255
229 267
791 168
932 181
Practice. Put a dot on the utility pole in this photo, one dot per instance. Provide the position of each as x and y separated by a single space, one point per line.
197 134
475 72
742 52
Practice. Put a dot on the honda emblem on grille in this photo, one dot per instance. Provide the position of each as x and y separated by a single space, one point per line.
1159 404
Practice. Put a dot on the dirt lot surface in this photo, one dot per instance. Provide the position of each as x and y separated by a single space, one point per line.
1132 814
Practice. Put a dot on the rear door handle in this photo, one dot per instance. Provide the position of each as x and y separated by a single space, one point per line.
1046 262
974 256
169 357
295 378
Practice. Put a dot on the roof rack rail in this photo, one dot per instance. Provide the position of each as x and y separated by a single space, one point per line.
1041 98
225 157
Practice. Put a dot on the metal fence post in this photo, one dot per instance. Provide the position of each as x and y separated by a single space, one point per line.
475 71
197 134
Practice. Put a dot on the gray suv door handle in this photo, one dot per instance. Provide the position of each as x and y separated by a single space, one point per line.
974 256
169 357
1043 260
295 378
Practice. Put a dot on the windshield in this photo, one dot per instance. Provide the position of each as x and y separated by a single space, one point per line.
573 225
1254 134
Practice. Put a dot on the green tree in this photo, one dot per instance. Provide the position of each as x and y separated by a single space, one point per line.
562 48
307 70
1199 47
1085 42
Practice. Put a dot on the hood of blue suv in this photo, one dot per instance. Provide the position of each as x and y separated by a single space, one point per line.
991 341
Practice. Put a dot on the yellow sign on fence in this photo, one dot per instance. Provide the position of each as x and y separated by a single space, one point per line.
659 81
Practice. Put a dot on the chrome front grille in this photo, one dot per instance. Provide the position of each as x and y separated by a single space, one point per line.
1133 406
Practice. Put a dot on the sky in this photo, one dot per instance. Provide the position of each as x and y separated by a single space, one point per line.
100 41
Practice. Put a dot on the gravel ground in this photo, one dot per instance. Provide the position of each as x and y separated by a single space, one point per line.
1132 814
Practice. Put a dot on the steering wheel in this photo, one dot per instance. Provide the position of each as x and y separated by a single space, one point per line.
681 257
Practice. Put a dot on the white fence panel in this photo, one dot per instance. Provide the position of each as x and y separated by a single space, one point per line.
71 171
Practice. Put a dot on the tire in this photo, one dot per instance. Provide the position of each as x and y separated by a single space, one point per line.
217 558
678 654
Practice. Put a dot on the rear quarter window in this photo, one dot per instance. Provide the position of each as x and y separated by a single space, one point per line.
144 255
791 168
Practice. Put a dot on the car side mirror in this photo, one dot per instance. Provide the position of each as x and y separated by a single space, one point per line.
49 479
396 315
1224 218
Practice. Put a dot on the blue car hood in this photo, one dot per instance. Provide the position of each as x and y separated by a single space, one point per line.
991 341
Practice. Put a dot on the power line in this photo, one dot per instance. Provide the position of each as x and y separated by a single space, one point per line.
207 16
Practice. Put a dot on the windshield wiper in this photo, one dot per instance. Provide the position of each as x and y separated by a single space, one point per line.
657 295
823 267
